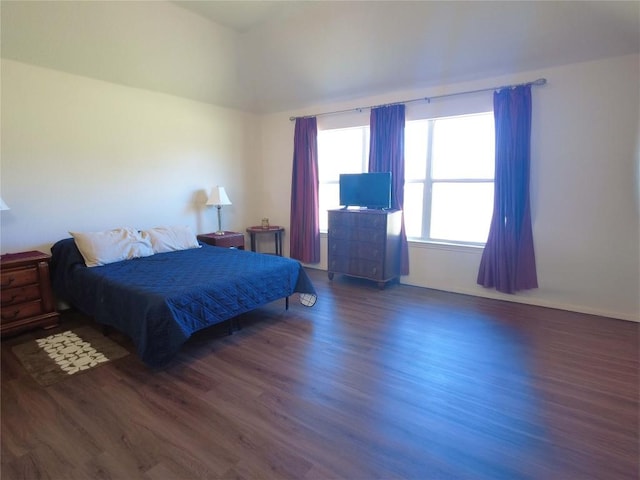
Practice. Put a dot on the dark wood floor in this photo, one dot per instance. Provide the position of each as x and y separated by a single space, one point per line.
401 383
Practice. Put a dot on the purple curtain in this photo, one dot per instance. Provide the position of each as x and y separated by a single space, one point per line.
386 154
508 260
305 226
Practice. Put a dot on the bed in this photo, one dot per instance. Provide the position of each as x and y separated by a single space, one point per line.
160 300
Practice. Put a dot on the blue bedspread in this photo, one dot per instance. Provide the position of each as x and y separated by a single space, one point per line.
161 300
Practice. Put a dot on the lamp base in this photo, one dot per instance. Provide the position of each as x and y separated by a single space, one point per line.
219 232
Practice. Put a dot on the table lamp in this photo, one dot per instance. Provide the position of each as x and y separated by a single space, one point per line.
219 198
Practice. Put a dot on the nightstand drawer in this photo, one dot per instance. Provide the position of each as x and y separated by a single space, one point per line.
19 277
12 296
12 313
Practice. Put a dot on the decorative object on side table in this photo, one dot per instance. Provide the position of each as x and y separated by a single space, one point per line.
219 198
27 299
224 239
273 229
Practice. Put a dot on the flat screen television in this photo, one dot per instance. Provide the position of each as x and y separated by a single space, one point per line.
366 190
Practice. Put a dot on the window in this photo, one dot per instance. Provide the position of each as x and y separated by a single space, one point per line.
449 168
343 150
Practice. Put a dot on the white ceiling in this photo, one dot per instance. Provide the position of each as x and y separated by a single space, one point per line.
264 56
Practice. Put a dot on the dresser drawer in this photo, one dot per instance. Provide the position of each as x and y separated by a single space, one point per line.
369 235
19 311
339 264
344 234
340 232
358 267
367 268
11 296
372 221
341 219
340 249
366 250
351 221
19 277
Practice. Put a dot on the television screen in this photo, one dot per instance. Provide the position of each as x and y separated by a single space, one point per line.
369 190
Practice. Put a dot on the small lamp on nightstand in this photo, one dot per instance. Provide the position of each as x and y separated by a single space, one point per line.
3 206
219 198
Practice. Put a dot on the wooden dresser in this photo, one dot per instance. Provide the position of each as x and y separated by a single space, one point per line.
365 244
26 298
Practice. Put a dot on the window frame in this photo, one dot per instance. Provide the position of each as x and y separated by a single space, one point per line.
365 136
428 182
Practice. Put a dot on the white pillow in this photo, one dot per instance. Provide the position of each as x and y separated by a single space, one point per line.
169 239
100 248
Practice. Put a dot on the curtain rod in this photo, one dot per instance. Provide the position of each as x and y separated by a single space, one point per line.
538 82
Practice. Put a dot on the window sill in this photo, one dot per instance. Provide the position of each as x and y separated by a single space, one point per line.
453 247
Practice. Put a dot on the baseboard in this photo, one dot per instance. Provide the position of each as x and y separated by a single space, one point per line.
527 301
540 303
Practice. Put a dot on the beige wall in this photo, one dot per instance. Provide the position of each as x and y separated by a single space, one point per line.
583 187
82 154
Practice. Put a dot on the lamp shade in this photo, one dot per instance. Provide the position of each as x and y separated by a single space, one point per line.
3 206
218 197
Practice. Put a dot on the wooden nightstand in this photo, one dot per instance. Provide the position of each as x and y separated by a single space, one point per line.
26 296
226 239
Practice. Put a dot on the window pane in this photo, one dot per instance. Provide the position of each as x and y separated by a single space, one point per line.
463 147
413 209
461 211
339 151
328 199
416 138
